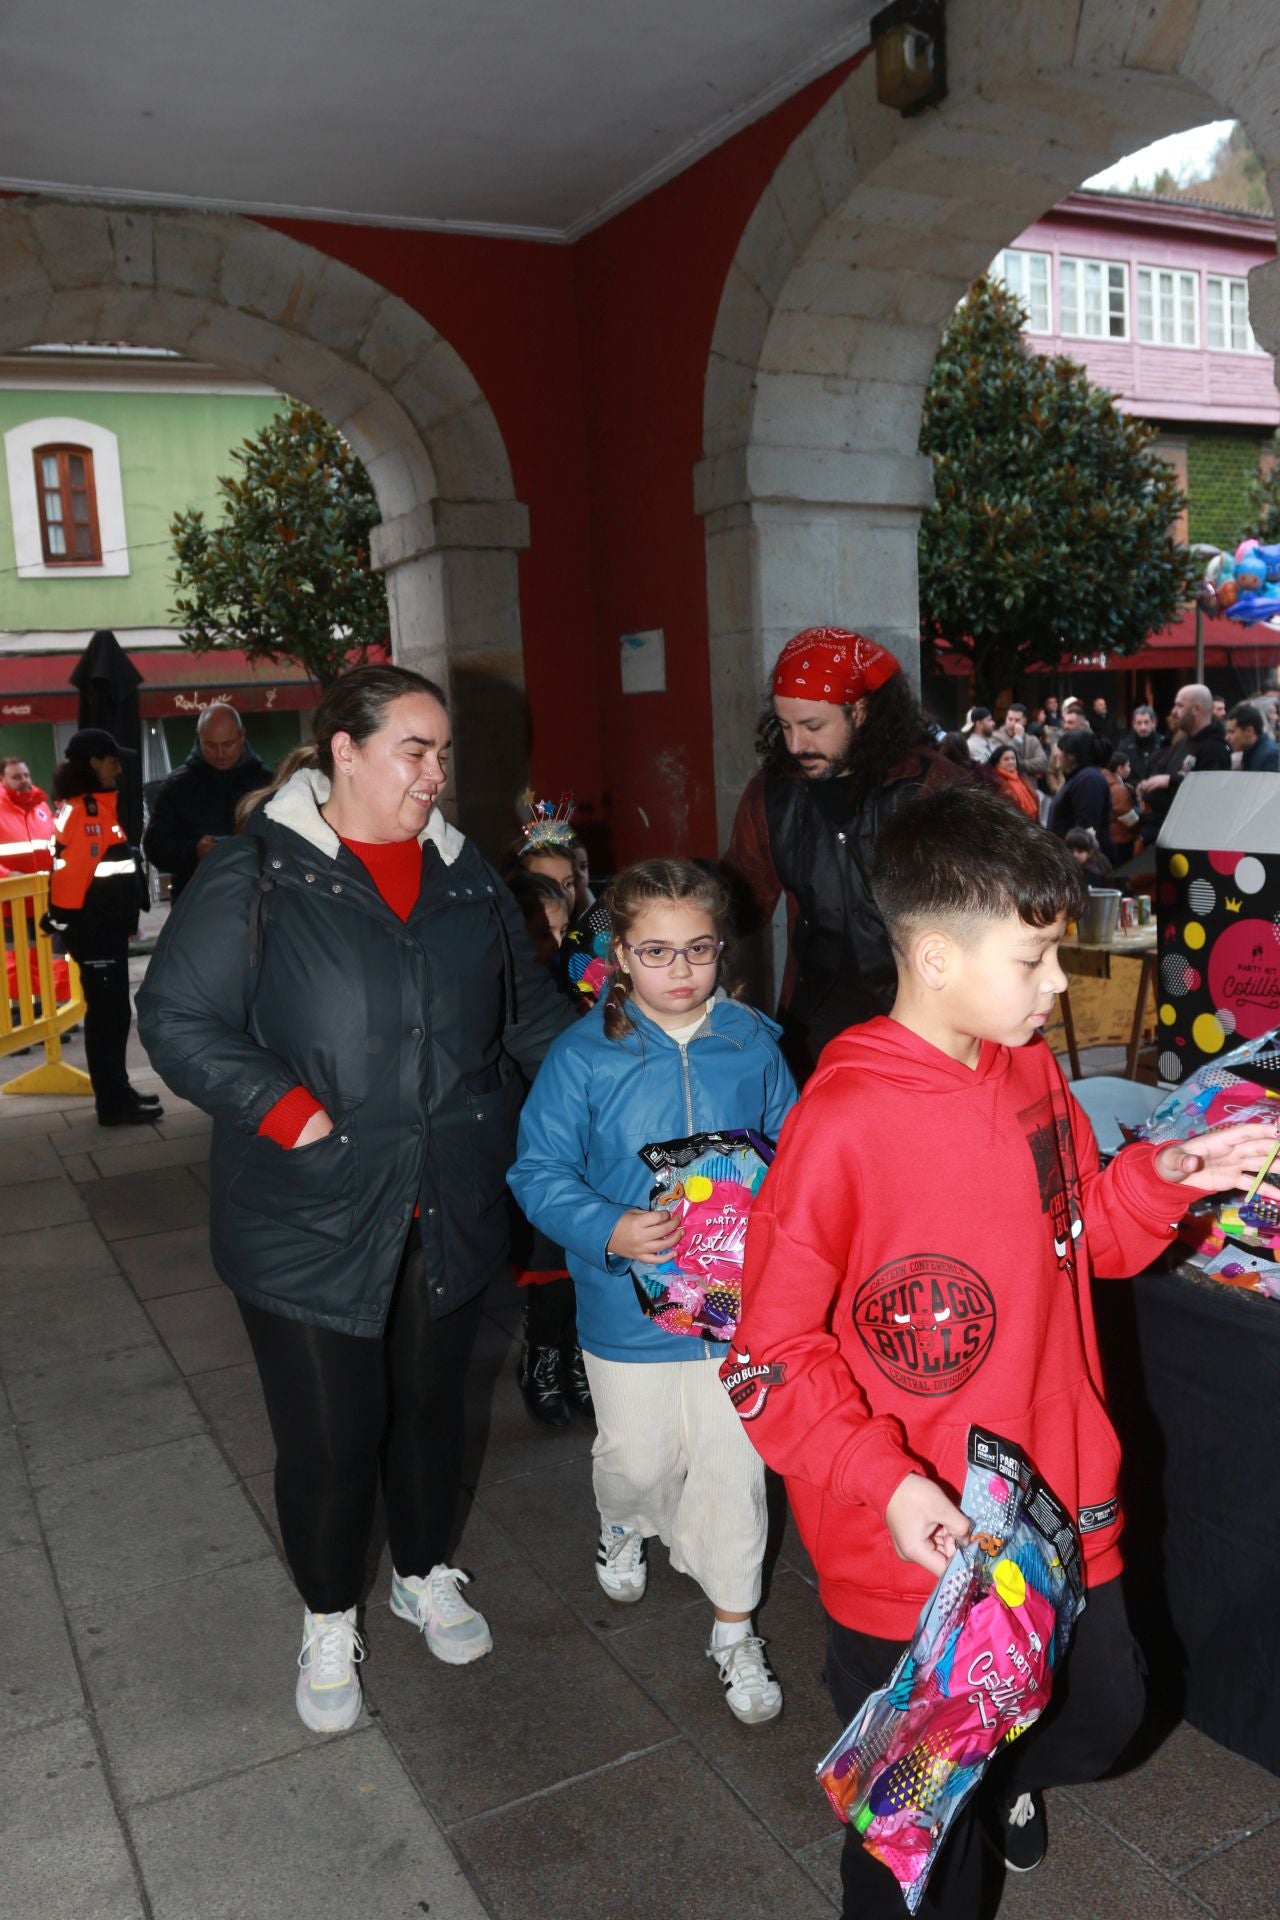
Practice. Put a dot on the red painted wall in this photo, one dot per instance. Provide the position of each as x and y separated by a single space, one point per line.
593 359
649 286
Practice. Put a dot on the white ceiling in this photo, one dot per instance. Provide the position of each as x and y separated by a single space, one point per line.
533 116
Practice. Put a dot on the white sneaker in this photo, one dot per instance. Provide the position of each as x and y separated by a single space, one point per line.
455 1632
328 1691
752 1693
622 1563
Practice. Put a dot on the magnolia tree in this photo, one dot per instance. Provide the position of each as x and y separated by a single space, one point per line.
1050 537
285 572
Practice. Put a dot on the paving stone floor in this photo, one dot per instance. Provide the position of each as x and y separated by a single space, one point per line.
151 1763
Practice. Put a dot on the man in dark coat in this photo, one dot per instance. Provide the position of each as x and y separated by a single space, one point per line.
1199 745
842 747
196 806
1141 743
1247 735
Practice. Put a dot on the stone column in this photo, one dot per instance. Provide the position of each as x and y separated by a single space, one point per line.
453 595
800 537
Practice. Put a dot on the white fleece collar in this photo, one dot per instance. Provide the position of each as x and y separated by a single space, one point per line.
297 805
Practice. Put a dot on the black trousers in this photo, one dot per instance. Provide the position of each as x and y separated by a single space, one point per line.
550 1314
1098 1704
340 1407
108 1017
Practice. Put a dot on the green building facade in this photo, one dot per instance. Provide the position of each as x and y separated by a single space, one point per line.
160 432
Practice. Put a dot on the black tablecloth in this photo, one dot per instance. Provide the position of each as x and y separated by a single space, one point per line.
1193 1377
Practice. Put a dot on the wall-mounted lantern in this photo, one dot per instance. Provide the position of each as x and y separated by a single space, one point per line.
911 54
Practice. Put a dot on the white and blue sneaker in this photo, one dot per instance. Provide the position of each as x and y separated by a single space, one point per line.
328 1695
622 1563
454 1631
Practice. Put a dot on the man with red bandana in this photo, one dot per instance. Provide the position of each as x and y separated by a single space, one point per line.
841 747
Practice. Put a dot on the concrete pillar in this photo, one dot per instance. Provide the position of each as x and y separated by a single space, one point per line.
455 616
781 556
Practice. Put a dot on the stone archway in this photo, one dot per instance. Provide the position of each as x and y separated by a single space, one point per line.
866 238
246 298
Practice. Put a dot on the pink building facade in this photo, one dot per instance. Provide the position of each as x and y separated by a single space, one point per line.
1150 295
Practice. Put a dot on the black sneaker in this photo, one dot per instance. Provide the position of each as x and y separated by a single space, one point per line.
541 1387
137 1099
573 1376
1015 1832
132 1117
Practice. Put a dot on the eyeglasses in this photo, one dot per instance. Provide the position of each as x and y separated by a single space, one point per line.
700 953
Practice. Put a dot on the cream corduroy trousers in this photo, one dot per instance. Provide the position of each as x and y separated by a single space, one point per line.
671 1458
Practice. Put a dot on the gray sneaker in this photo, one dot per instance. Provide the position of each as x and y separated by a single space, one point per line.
455 1632
328 1694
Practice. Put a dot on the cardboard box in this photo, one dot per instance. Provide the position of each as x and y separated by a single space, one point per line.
1218 910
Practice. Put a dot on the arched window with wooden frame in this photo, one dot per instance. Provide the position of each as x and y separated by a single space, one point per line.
67 500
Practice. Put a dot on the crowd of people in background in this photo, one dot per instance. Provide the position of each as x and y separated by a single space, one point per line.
1103 787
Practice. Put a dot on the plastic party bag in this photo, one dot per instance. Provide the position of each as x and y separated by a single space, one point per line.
978 1672
1243 1085
709 1180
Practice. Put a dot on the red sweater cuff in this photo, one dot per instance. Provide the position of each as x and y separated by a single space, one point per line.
290 1114
874 1467
1159 1204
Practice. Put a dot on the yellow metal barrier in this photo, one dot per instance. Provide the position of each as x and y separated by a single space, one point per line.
24 899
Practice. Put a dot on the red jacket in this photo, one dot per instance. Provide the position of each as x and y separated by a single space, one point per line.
26 832
918 1259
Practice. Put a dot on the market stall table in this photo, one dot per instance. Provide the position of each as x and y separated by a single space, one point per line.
1193 1381
1093 958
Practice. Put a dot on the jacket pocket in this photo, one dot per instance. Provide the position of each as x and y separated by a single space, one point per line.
492 1106
310 1189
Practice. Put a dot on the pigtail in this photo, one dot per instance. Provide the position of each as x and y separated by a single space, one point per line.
616 1023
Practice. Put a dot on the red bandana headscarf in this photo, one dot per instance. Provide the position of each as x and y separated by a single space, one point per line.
828 664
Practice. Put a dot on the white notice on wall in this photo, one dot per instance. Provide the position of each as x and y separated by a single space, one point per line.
644 661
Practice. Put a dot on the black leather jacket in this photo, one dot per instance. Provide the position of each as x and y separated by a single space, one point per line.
844 966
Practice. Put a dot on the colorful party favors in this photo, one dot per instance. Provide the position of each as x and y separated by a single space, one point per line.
978 1672
709 1180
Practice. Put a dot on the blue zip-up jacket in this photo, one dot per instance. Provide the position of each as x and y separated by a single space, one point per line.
594 1104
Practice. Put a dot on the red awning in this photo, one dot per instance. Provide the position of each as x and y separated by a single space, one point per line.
36 687
1225 644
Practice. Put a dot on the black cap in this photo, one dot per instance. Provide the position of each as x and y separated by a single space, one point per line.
95 743
980 713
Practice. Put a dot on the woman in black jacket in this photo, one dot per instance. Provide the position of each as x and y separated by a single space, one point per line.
1084 800
349 990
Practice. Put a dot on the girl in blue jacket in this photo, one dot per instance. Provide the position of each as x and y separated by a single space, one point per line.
669 1053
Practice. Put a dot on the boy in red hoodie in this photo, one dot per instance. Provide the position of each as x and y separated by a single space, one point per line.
920 1260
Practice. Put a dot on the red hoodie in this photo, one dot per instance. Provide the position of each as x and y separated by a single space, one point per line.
918 1260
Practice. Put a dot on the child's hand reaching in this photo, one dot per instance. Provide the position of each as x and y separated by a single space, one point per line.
1222 1161
924 1526
645 1236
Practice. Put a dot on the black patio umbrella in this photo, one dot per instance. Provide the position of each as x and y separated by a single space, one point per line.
107 682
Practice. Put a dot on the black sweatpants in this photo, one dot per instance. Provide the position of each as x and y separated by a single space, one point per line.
339 1405
1098 1703
108 1017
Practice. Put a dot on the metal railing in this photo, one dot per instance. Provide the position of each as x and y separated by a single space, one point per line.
24 900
